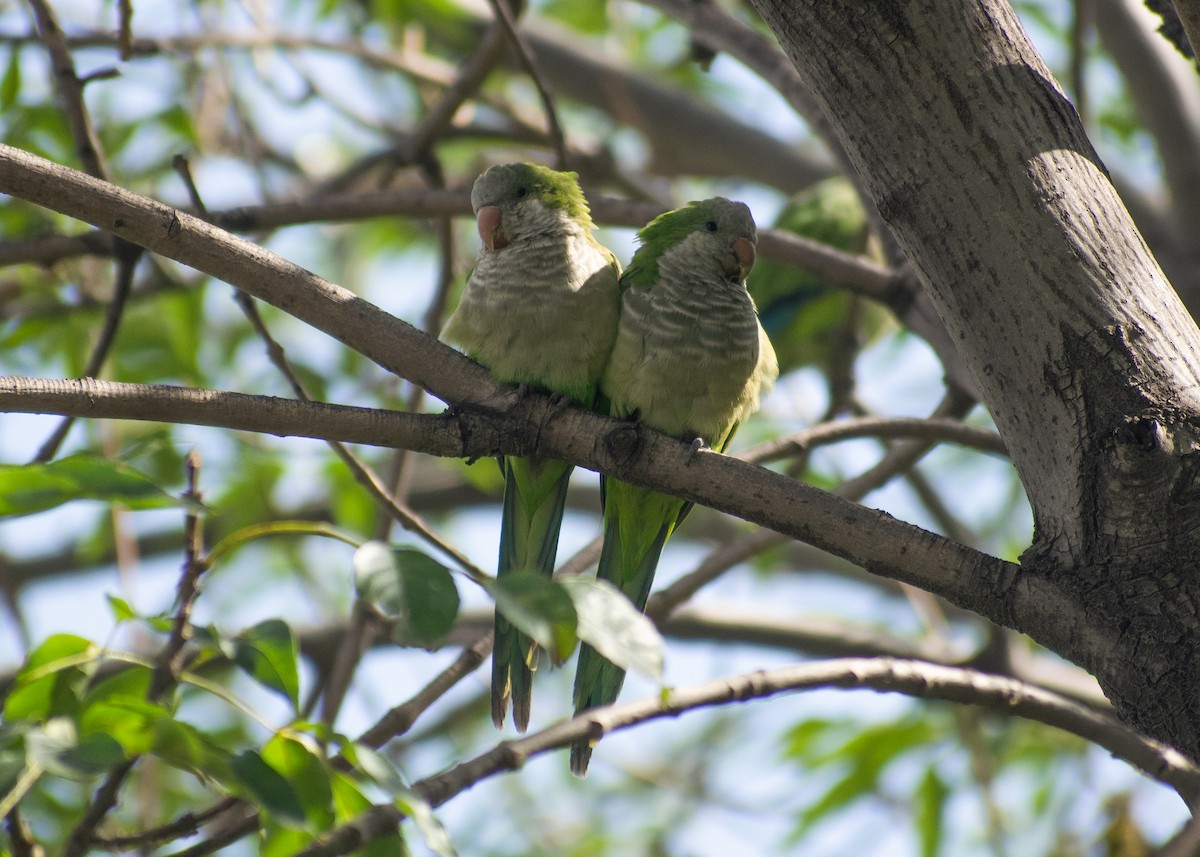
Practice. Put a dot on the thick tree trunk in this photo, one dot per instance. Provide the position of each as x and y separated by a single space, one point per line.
1083 353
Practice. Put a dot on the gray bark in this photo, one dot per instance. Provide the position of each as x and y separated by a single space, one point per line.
1079 346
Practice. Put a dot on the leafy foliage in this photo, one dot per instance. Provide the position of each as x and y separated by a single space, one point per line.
310 101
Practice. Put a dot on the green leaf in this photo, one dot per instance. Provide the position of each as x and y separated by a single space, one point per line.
129 720
10 84
130 682
12 755
267 652
268 788
52 679
929 804
862 757
541 608
419 810
210 639
349 802
121 609
58 748
29 488
407 584
610 624
376 766
307 771
802 739
183 746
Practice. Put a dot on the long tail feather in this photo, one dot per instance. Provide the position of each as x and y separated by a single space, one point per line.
637 524
535 493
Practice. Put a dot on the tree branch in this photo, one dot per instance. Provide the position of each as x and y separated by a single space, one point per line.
841 269
914 678
963 576
532 427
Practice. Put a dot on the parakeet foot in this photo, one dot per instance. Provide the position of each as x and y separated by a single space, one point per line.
559 402
698 444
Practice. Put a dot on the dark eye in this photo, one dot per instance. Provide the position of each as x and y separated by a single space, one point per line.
522 192
711 226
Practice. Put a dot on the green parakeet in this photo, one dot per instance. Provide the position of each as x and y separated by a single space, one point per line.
540 308
803 314
690 360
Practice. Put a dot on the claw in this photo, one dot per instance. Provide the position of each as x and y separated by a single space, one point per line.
559 402
697 445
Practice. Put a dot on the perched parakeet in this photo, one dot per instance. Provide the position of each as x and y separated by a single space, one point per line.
540 309
802 313
690 360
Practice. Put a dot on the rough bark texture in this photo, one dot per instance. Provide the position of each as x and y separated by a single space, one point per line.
1082 351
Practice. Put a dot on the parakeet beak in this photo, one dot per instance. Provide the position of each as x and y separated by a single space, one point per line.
488 221
743 249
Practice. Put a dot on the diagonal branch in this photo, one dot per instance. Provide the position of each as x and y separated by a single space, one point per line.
871 539
507 18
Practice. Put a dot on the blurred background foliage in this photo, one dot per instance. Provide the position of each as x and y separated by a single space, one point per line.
259 104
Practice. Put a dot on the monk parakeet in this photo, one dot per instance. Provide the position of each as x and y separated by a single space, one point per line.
540 309
690 360
804 315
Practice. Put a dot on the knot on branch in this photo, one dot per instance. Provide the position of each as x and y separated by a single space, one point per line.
623 444
1157 450
1143 433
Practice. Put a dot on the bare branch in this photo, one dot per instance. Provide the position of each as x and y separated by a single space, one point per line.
70 90
936 429
965 577
87 397
915 678
185 825
504 14
1185 843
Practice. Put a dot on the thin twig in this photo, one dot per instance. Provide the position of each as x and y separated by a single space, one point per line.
525 56
360 635
170 659
70 90
400 719
91 155
413 149
187 824
20 838
125 29
1185 843
983 763
400 477
127 258
933 428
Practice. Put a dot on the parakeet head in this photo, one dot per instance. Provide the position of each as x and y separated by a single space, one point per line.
716 231
513 201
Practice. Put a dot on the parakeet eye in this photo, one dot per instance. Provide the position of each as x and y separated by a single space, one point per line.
522 192
711 226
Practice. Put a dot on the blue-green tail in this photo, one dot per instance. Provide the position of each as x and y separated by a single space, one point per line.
637 523
535 493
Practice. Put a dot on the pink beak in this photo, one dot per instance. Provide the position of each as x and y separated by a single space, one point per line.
743 249
487 220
